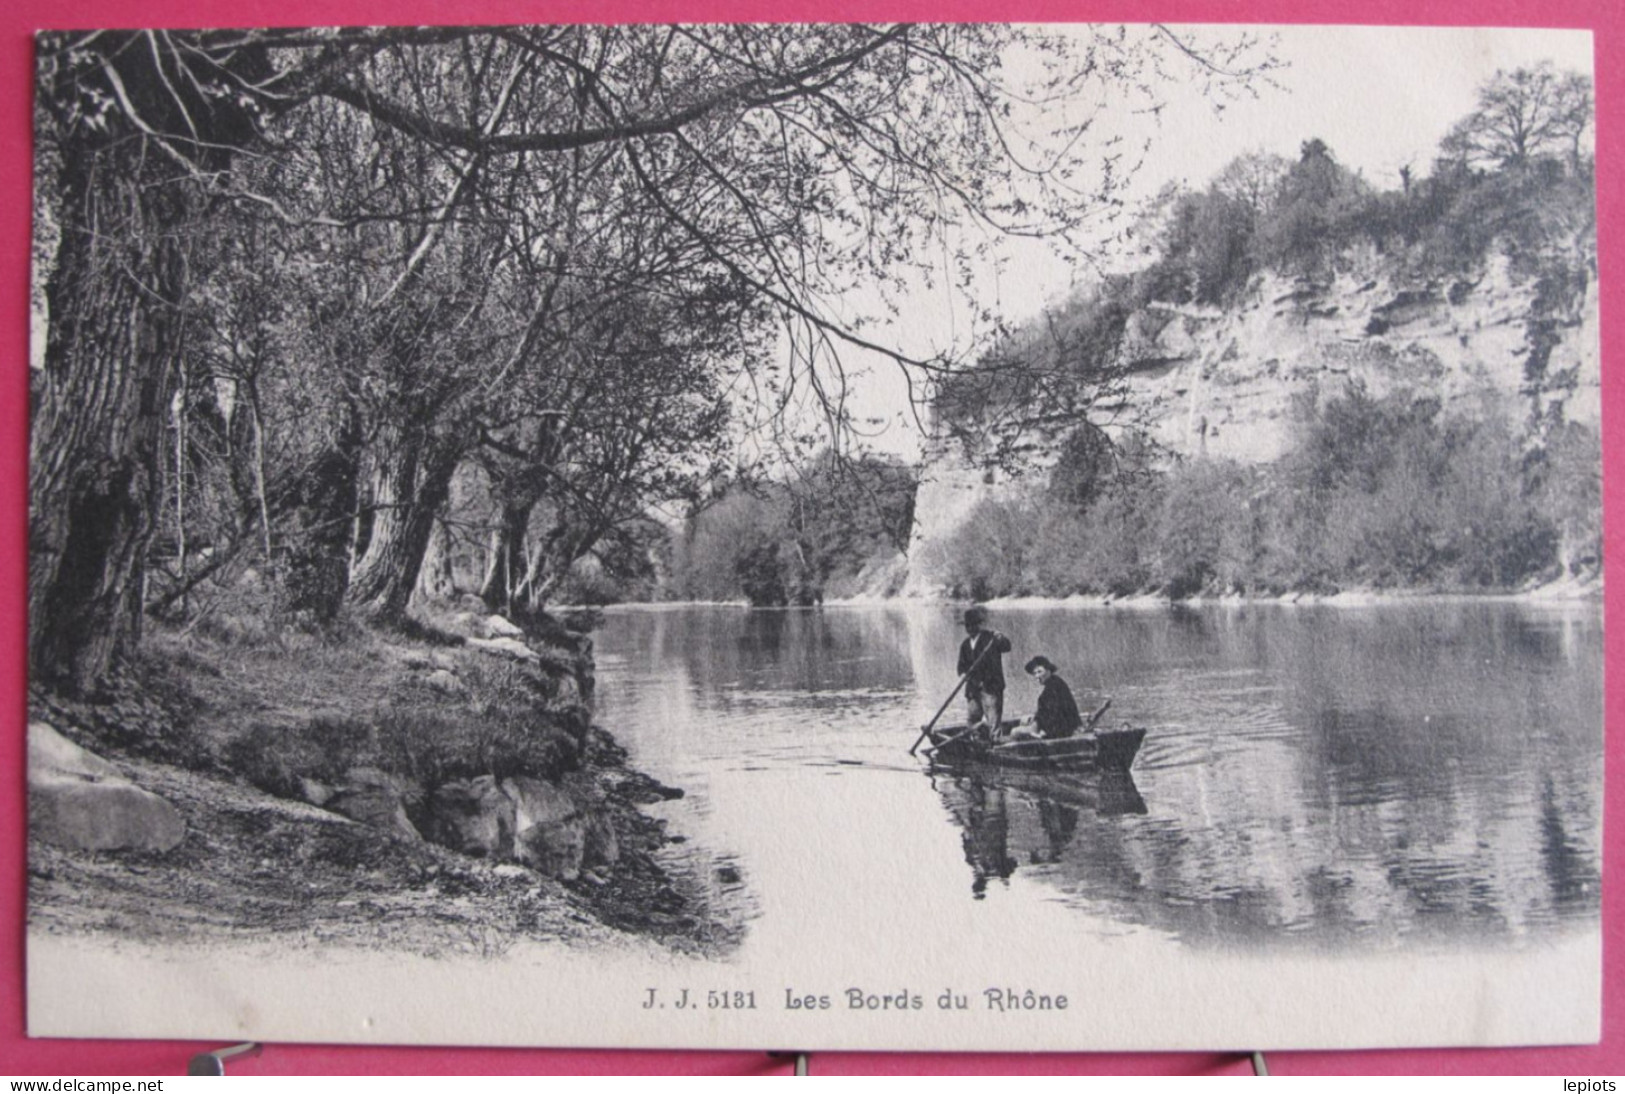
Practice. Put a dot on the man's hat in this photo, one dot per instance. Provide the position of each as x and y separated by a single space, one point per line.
975 617
1041 662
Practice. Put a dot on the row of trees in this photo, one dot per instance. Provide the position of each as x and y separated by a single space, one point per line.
1387 493
335 300
829 527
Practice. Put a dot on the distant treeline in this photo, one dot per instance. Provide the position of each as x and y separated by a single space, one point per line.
1376 493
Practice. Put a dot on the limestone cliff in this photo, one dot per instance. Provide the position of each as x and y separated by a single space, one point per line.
1223 382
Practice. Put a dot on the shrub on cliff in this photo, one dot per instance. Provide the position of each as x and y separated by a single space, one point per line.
1564 478
1382 492
1320 208
1106 550
992 554
1208 250
1395 493
1204 530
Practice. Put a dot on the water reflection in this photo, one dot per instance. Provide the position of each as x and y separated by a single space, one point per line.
1047 808
1373 872
1313 777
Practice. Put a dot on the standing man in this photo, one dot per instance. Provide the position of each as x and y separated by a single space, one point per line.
981 663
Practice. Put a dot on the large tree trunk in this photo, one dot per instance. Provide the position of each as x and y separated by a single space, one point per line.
439 578
96 449
412 481
505 564
563 546
132 135
320 520
518 486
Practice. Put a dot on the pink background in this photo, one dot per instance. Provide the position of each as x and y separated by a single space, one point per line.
21 1056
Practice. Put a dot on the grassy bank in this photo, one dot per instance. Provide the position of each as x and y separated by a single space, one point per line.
313 772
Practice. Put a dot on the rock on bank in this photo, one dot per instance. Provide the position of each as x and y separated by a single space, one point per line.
380 791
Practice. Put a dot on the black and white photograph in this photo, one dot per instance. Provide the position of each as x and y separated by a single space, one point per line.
966 536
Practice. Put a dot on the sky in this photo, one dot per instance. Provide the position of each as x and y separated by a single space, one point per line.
1380 97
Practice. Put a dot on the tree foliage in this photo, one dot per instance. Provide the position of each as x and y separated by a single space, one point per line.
1532 202
1524 115
1386 492
305 280
823 530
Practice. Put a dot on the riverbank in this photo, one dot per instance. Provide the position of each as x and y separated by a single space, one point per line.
442 790
1563 591
1567 590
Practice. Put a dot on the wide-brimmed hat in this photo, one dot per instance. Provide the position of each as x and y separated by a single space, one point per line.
1041 662
975 617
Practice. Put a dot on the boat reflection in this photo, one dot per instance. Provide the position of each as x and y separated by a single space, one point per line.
1028 818
1221 881
1319 779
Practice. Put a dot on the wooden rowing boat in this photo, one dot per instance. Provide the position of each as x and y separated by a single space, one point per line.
1111 750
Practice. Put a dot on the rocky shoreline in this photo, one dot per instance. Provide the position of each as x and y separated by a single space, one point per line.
445 792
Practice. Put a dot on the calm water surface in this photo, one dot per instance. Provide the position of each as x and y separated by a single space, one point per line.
1313 776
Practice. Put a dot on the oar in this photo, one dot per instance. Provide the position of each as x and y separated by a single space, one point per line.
1095 717
926 731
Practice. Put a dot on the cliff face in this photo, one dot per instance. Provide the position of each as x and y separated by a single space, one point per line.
1224 383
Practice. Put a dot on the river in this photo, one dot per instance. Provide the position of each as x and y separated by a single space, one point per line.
1330 779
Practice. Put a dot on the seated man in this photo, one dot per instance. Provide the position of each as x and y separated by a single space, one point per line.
1057 714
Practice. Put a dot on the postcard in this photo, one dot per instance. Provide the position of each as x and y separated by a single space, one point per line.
841 536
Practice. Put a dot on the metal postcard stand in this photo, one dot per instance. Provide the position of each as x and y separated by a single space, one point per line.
214 1063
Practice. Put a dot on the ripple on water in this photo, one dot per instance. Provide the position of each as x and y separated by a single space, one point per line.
1309 778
